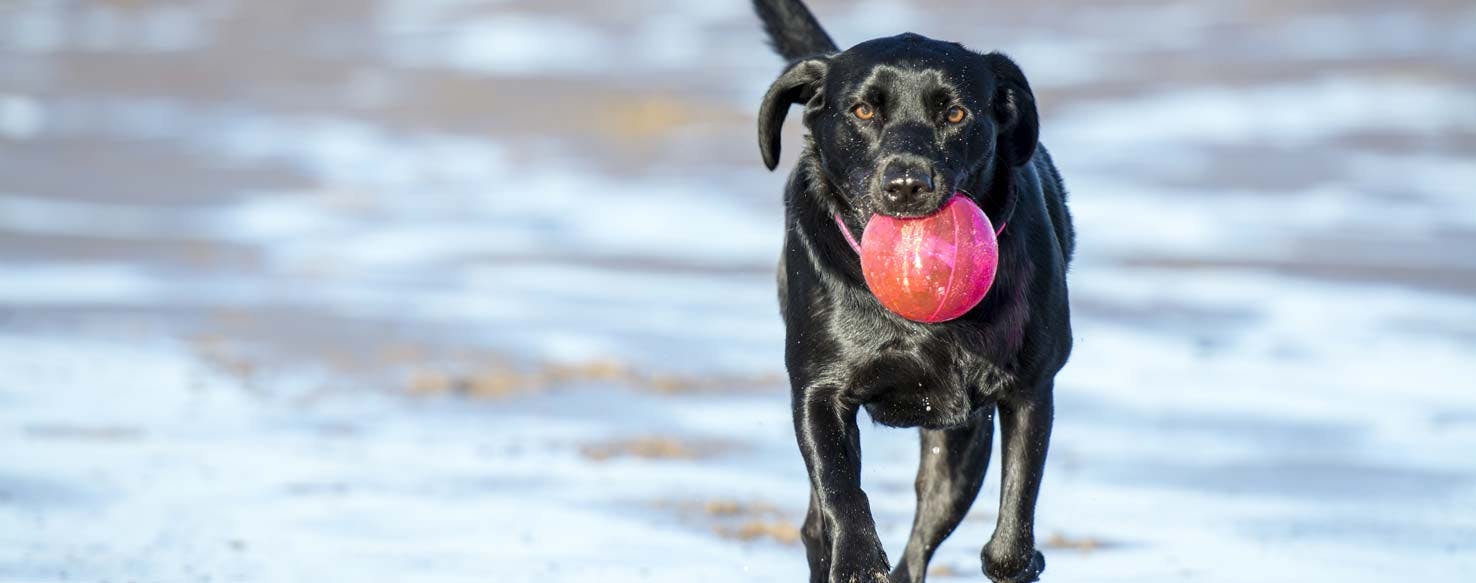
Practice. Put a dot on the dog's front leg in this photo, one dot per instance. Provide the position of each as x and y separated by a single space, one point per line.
825 425
1010 556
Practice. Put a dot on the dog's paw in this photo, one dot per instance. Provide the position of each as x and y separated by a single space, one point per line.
1001 571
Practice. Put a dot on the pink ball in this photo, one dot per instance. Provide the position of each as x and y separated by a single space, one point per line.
934 268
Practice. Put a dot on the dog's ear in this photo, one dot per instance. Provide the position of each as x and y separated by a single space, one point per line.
800 83
1014 111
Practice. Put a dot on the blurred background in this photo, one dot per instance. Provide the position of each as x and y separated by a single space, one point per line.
457 290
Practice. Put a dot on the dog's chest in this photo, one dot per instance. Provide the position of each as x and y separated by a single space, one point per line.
921 405
908 375
912 390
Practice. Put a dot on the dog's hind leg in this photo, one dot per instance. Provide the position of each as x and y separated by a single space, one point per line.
948 478
1010 556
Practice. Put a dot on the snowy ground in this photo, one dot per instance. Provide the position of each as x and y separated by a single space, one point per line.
482 291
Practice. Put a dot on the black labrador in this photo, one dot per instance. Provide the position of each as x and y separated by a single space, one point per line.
897 125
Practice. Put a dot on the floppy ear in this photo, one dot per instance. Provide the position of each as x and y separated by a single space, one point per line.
1014 111
800 83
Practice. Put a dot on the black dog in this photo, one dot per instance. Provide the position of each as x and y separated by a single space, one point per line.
897 126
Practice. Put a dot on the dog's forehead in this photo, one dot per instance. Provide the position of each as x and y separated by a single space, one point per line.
909 59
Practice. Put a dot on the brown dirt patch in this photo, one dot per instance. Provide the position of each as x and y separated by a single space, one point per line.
739 520
1083 544
654 448
502 380
780 532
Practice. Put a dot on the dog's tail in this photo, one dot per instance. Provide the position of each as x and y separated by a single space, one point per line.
792 29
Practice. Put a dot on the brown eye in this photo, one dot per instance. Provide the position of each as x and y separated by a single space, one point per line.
956 114
863 111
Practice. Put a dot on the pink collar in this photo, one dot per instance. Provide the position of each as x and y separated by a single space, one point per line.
857 246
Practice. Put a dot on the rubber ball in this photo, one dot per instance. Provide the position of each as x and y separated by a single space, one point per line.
934 268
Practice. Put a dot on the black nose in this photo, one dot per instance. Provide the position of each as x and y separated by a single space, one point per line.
904 185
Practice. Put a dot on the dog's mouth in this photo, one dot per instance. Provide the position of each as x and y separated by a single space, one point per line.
921 208
917 213
914 206
872 203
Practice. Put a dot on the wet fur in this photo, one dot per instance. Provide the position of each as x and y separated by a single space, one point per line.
844 351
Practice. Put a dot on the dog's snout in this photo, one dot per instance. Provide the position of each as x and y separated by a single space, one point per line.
908 183
906 188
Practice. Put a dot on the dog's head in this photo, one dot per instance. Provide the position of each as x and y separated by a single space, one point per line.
900 123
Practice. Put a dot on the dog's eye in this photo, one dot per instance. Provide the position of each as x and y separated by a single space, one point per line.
957 114
863 111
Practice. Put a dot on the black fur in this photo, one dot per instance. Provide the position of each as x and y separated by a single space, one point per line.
844 351
793 30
